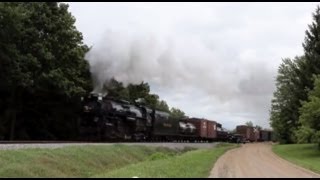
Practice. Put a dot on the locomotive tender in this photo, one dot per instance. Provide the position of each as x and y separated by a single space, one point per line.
109 119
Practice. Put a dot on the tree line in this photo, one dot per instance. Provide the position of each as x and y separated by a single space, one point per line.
295 107
43 73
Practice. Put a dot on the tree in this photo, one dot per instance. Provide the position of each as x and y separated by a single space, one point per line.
152 100
116 90
285 105
163 106
137 91
295 80
176 113
249 123
312 51
310 71
42 63
310 110
304 135
310 115
142 90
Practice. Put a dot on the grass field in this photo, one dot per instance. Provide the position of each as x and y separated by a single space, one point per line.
304 155
109 161
77 161
191 164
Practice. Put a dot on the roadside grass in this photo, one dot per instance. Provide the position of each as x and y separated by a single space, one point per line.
76 161
197 163
305 155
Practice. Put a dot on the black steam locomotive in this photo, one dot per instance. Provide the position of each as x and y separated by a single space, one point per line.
109 119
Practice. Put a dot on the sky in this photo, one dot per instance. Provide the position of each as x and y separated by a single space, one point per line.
212 60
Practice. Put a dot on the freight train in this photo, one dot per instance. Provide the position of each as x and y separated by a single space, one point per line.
110 119
253 134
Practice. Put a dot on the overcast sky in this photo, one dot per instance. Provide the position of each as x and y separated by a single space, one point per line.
212 60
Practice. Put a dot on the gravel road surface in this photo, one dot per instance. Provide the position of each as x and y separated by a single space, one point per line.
256 160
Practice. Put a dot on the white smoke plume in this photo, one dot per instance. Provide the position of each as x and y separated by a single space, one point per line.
179 63
132 59
212 60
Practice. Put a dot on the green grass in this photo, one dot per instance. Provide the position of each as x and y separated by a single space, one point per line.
109 161
197 163
305 155
76 161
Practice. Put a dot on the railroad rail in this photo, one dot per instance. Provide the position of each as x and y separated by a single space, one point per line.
70 142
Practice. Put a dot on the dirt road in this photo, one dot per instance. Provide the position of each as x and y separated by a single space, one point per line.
256 160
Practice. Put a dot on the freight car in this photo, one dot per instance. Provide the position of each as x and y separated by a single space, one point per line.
222 134
253 134
247 132
265 135
237 138
205 130
109 119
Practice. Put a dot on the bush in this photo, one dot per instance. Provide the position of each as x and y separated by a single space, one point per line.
304 135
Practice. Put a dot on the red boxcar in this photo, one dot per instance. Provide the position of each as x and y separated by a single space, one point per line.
201 125
212 129
247 132
206 129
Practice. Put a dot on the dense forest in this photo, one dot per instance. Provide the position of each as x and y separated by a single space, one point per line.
43 73
295 109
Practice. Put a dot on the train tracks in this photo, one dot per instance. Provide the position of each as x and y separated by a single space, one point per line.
93 141
46 142
9 145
